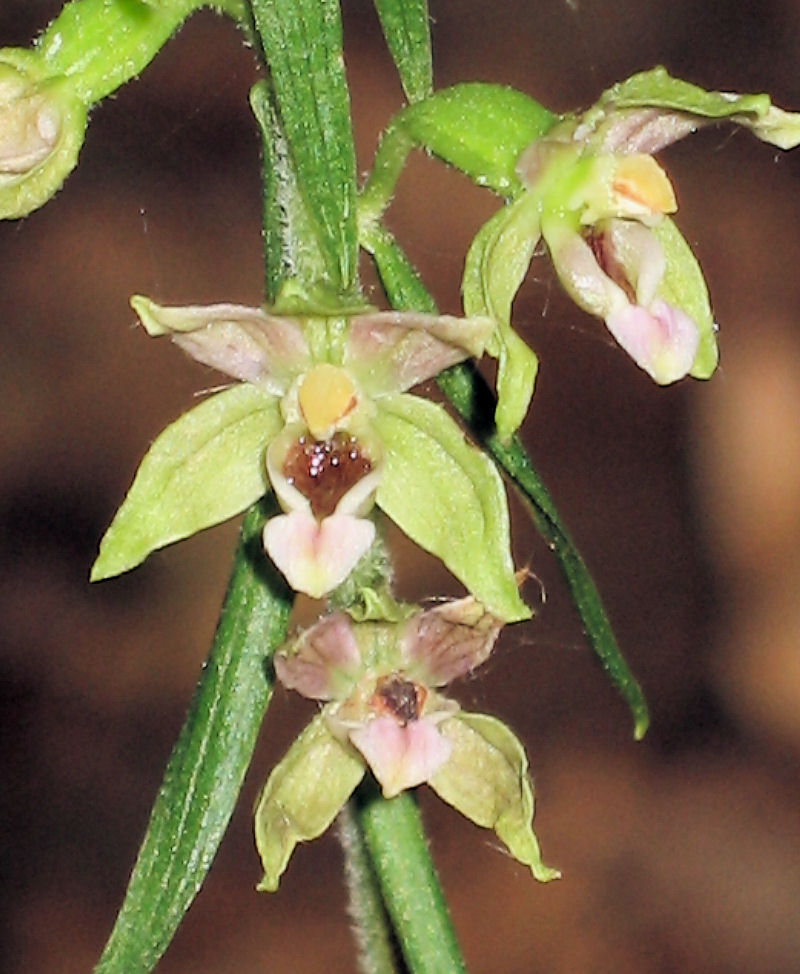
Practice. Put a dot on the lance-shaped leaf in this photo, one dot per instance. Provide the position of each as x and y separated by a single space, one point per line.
432 476
496 265
205 467
302 41
486 779
407 32
303 795
208 764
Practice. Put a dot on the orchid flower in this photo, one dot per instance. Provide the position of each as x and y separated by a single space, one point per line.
589 187
379 682
322 417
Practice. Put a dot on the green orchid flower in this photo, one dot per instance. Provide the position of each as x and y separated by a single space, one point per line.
383 710
322 417
589 188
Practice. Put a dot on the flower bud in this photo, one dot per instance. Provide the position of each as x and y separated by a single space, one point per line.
41 132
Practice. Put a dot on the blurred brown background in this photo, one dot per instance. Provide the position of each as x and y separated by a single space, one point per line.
680 854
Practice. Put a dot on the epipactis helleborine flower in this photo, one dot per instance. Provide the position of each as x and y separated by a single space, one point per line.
323 418
589 187
382 710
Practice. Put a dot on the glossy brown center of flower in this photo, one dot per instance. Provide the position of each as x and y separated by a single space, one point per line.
399 698
324 470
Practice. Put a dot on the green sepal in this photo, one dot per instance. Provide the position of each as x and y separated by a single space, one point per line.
486 779
205 467
302 41
495 267
684 287
208 763
406 28
303 795
657 89
480 129
448 497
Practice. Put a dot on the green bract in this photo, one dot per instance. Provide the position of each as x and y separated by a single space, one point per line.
323 418
383 711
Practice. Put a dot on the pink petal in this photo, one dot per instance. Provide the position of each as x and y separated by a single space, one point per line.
323 662
392 351
661 339
401 756
449 641
316 556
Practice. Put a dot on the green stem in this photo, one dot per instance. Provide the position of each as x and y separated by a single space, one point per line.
475 403
395 839
371 927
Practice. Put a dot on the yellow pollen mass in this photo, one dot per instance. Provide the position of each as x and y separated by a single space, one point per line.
326 395
641 179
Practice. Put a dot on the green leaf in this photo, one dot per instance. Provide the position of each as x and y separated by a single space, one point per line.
407 32
205 467
448 497
486 779
480 129
472 399
303 795
496 265
207 766
684 286
302 41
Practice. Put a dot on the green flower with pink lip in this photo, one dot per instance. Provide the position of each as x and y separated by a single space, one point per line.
379 683
322 417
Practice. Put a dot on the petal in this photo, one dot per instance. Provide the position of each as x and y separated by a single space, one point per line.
449 641
335 476
579 271
661 339
303 795
246 343
392 351
323 662
316 556
401 756
636 250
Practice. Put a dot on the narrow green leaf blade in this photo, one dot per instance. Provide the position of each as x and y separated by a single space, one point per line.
302 41
473 400
209 761
406 28
448 497
202 469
